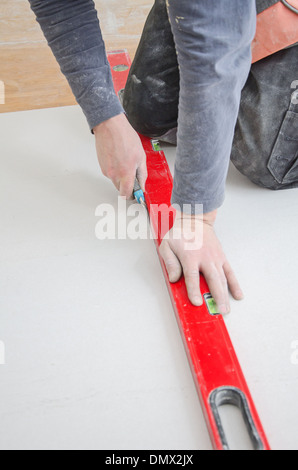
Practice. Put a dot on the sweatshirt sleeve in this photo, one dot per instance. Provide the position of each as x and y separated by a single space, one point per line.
72 31
213 42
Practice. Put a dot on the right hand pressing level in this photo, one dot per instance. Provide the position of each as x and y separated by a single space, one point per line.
203 254
120 154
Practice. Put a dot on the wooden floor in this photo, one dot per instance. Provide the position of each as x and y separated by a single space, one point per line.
28 70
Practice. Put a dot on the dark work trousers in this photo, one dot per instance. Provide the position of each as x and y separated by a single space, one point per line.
265 147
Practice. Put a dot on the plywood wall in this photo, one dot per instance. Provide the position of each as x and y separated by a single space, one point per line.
30 74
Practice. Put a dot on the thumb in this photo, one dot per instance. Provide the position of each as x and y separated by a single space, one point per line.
171 261
126 186
142 174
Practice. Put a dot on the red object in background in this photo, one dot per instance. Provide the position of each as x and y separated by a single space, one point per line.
277 28
216 371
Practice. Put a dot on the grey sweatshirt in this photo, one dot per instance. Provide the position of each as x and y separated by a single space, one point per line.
213 40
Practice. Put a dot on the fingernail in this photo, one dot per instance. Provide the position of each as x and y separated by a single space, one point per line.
173 277
223 308
197 301
239 295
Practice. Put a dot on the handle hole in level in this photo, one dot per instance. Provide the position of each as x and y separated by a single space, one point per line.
234 427
234 421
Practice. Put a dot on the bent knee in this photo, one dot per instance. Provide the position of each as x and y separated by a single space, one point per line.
146 113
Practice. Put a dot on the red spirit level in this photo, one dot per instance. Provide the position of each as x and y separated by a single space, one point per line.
213 361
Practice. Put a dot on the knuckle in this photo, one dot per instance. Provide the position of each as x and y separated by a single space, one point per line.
216 277
122 172
110 173
222 278
228 270
171 264
191 273
219 279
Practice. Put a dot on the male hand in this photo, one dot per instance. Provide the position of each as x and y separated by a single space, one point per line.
120 154
185 253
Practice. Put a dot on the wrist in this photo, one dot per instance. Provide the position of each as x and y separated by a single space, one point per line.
109 123
208 218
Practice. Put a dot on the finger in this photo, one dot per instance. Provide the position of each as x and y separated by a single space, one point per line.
233 283
115 182
142 174
126 186
217 282
172 263
192 281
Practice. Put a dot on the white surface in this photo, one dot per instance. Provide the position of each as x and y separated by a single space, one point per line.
93 355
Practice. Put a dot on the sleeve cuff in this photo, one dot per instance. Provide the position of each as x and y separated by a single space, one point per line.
197 207
102 115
